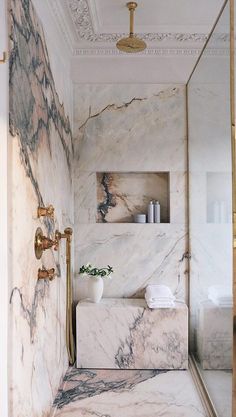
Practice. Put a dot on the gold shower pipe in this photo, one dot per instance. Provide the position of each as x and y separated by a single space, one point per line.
69 327
42 243
131 6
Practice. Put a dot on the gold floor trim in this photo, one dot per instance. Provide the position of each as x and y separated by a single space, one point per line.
201 388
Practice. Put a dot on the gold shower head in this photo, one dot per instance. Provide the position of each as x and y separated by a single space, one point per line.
131 43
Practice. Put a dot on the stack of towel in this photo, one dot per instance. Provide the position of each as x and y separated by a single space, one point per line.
159 296
220 295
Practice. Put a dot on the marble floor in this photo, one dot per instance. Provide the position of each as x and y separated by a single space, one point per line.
219 386
127 393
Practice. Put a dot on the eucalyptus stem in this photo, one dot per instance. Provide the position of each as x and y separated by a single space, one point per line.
96 272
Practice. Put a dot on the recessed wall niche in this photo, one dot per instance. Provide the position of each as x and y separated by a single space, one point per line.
121 195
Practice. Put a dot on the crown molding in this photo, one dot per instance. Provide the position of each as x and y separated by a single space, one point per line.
146 52
62 21
82 40
151 52
80 15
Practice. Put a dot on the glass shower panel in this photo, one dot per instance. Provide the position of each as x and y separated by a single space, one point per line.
210 214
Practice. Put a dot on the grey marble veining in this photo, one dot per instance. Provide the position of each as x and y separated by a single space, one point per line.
84 383
140 254
126 334
41 153
130 128
115 393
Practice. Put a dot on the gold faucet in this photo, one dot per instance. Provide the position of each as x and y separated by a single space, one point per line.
41 242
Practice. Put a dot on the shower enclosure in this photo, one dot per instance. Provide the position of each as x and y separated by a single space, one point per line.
210 100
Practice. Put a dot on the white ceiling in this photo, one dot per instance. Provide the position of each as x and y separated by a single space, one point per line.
153 15
99 23
175 32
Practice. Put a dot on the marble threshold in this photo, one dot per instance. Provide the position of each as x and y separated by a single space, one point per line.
127 393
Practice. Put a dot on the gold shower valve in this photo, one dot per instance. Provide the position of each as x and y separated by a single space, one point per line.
46 211
46 274
41 243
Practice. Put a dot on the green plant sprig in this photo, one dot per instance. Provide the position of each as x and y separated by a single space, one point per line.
95 272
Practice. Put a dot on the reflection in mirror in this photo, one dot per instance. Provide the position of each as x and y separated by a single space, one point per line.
210 202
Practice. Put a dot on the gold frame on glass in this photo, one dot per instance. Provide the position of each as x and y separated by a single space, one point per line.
233 139
209 406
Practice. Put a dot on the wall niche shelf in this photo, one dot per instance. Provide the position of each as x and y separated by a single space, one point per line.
121 195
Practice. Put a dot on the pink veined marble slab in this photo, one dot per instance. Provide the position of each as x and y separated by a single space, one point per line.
126 334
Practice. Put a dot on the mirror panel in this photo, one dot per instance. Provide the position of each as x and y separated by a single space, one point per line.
210 214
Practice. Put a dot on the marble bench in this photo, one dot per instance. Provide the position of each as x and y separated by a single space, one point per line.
125 334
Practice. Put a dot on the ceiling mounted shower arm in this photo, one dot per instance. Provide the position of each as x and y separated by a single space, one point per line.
131 6
131 43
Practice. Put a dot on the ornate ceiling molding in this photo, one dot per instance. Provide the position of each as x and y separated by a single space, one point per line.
193 52
83 41
81 18
60 19
147 52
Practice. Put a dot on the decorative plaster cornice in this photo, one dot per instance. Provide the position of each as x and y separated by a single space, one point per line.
193 52
81 18
64 27
78 10
147 52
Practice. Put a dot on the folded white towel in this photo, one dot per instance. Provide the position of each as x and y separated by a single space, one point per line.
159 292
220 295
156 304
159 296
221 303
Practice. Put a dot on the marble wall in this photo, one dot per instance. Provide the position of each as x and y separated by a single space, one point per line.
41 153
130 129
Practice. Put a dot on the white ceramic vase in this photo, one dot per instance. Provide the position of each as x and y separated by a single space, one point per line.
95 289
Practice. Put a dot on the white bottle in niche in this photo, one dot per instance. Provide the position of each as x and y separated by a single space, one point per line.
157 212
151 212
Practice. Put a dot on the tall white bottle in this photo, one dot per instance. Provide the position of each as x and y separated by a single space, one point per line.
157 212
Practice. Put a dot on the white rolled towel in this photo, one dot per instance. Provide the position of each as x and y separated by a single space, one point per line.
159 296
220 295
